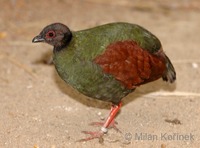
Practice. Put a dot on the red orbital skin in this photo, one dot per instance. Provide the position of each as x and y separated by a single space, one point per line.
130 64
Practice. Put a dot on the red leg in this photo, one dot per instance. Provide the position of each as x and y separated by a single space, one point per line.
113 122
113 112
104 130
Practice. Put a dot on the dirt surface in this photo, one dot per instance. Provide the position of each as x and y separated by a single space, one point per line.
38 110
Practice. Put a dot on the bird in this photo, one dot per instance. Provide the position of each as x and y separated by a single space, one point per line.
107 62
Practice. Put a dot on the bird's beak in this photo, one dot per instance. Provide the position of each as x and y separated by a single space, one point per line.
38 39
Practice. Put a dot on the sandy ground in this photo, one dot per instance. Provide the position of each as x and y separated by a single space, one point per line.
38 110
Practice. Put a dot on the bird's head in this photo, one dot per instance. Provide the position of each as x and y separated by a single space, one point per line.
57 35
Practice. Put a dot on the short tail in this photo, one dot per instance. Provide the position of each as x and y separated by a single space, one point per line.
170 73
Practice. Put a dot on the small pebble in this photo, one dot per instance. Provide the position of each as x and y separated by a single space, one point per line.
68 108
29 86
3 35
195 65
99 113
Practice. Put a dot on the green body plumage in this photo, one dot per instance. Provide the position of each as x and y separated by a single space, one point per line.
75 63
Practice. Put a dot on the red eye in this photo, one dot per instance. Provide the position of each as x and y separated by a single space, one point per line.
50 34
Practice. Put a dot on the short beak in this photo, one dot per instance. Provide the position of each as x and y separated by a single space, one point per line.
38 39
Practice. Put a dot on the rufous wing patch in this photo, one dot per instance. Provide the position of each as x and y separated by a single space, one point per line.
130 64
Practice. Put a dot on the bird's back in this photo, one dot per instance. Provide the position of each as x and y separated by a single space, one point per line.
92 42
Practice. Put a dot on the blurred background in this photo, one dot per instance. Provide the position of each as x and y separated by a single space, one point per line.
39 110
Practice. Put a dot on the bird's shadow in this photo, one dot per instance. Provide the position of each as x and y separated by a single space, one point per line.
146 89
139 92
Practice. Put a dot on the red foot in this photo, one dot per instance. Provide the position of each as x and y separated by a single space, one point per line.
108 123
93 135
112 125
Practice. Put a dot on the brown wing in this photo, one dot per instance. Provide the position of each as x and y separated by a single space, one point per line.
130 64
